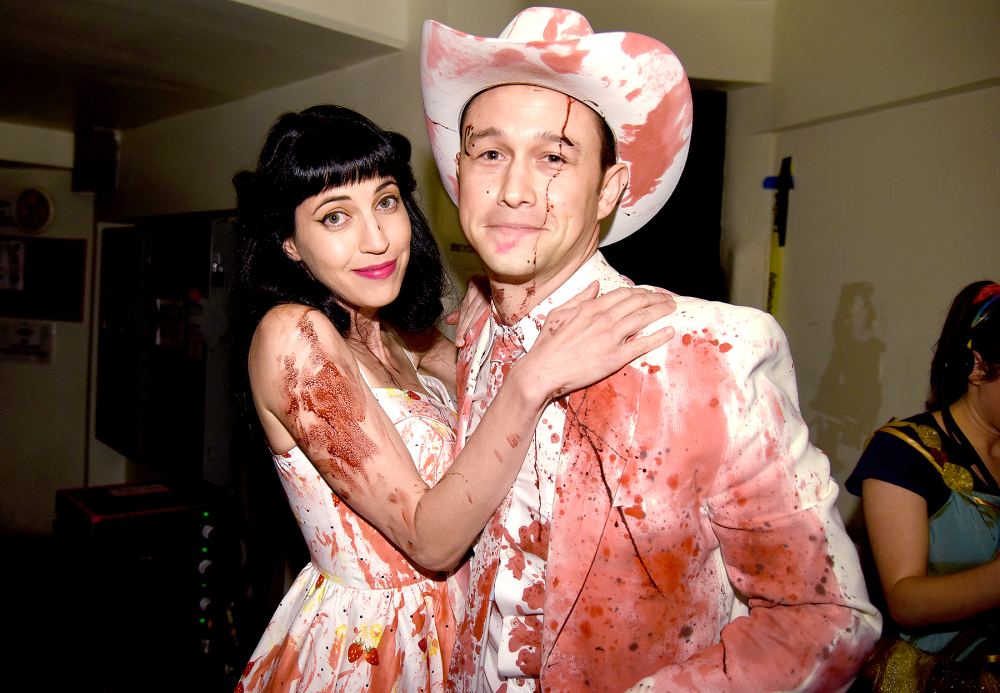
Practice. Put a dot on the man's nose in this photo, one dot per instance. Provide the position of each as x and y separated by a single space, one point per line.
517 188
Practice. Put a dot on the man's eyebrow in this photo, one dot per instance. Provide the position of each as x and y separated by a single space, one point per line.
555 138
474 135
545 136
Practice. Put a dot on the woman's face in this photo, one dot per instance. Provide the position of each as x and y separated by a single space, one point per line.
984 396
355 239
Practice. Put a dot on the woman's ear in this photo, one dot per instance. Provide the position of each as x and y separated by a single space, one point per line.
978 373
288 245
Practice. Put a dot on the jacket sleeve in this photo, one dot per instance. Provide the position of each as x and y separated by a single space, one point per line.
803 620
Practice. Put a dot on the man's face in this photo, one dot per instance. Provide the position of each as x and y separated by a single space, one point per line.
531 189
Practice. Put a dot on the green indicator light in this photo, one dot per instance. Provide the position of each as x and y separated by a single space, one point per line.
204 513
201 620
204 549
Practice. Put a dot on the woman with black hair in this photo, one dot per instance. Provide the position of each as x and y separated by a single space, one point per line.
931 500
339 268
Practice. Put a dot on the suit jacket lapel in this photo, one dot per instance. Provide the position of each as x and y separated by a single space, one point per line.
596 441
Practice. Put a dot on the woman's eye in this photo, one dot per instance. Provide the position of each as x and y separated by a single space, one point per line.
388 202
334 218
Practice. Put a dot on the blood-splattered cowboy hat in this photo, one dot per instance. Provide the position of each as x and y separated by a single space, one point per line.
633 81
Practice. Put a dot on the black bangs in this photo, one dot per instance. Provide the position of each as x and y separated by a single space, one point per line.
352 153
329 146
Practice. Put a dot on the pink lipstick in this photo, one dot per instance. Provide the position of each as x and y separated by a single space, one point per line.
380 271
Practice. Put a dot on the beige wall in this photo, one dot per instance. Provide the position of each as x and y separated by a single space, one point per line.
901 207
889 111
43 418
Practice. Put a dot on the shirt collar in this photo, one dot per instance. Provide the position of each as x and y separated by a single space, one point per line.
526 330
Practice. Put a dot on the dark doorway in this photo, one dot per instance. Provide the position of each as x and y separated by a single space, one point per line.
679 248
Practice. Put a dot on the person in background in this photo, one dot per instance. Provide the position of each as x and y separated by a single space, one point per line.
931 499
338 269
672 528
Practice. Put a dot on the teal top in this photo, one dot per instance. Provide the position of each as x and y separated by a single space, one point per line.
964 533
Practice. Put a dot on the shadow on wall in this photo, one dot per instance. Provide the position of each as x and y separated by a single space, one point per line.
850 391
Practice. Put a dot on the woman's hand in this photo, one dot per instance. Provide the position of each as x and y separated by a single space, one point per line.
587 338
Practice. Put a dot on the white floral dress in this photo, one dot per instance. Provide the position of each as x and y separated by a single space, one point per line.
360 616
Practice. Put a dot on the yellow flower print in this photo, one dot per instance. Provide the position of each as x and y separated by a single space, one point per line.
339 635
371 635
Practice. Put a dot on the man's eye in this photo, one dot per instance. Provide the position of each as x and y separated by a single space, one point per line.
491 155
554 159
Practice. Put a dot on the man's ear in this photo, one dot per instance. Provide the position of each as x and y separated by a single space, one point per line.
613 184
288 245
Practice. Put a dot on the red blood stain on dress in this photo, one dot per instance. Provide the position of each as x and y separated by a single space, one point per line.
326 410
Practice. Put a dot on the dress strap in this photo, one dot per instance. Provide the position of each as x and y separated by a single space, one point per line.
969 451
893 430
955 476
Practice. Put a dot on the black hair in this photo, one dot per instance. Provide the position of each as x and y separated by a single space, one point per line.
305 153
953 360
609 150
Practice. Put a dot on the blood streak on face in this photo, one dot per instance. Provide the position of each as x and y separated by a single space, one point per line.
327 413
555 174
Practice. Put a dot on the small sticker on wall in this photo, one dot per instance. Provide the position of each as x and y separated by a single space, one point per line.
26 342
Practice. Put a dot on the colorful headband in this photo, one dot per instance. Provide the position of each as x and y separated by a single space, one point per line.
988 295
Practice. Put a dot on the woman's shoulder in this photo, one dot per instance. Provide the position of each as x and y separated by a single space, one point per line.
891 454
294 322
889 438
287 316
296 331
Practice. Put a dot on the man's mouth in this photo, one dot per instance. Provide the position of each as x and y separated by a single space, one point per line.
506 236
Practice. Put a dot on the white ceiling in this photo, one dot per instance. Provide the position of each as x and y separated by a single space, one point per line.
69 64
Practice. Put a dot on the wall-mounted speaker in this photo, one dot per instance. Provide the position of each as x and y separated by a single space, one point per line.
95 159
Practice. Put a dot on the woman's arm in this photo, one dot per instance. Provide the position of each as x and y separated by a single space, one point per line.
899 536
309 392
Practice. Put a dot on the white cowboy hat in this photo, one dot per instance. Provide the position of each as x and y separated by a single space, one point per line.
633 81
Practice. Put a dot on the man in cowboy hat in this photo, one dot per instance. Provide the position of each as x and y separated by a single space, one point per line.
672 527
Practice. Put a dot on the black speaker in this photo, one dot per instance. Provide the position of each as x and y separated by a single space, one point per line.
155 587
95 160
